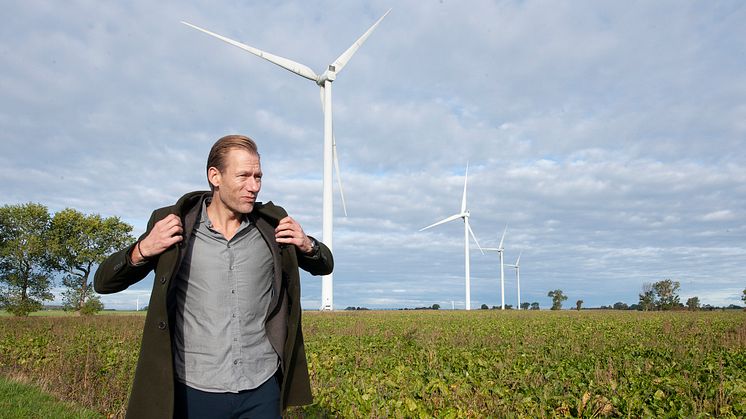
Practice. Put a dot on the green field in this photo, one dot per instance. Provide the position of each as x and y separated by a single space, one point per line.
441 363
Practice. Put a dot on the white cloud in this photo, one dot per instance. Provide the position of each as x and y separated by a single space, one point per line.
721 215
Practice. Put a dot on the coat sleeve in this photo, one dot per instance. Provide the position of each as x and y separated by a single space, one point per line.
117 272
322 263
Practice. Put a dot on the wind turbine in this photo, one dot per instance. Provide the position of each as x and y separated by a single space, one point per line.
330 147
464 214
517 267
500 249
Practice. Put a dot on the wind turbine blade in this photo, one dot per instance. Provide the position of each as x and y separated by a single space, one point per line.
443 221
475 239
463 198
503 237
518 261
285 63
339 175
342 60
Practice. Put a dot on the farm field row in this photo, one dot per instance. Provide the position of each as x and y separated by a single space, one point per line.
440 363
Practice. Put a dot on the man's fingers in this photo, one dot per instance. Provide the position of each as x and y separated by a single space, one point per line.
176 229
173 240
286 223
165 233
288 231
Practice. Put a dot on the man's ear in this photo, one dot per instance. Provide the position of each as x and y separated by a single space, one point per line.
214 176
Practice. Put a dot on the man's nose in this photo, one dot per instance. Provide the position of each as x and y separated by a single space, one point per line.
253 185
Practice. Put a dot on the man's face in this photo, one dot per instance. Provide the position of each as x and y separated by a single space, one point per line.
238 185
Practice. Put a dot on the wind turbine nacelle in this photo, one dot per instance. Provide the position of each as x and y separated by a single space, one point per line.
330 74
326 76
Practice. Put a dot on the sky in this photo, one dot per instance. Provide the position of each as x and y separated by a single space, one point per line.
610 137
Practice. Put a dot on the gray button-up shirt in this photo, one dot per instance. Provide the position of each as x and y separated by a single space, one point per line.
223 292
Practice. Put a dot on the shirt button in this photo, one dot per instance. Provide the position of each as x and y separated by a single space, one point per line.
233 291
163 279
235 362
161 325
234 315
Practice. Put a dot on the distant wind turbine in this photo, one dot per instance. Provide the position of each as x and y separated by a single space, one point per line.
464 214
330 146
517 267
501 250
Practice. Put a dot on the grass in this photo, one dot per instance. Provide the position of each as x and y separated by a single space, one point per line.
19 400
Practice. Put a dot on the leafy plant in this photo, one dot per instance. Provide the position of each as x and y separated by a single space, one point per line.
77 243
24 256
557 297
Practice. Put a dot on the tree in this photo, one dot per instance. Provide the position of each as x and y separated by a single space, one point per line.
557 298
620 306
77 243
436 306
24 270
534 306
743 296
578 304
525 306
666 291
692 304
484 307
647 297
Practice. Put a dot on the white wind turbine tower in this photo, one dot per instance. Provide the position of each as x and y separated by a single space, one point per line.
330 147
464 214
517 267
501 250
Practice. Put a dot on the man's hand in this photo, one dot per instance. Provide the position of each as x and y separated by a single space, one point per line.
165 233
288 231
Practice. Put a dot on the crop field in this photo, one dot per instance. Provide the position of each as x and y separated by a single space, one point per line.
440 363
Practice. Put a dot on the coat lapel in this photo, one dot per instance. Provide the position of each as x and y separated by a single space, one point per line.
268 233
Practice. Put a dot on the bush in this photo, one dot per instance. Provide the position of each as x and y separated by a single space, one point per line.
92 306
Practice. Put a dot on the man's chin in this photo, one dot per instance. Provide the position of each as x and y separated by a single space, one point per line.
246 208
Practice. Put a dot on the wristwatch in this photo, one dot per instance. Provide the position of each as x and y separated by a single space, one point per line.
314 247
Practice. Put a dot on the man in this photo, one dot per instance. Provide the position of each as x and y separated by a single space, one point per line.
222 336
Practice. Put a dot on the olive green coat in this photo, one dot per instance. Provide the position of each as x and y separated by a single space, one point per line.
152 393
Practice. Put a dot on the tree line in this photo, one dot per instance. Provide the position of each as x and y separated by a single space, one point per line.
662 295
36 247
